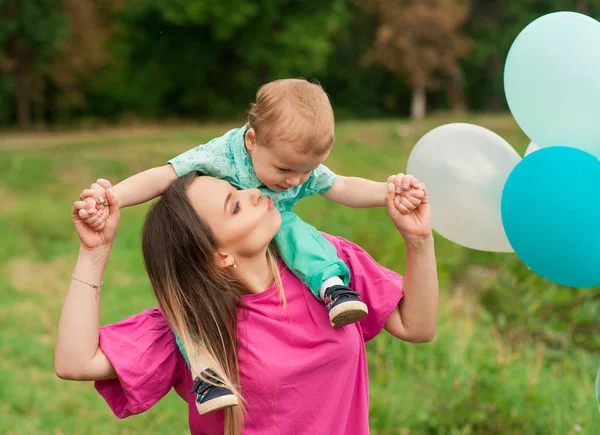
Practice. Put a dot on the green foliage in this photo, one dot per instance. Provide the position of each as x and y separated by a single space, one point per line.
32 33
207 58
558 316
204 59
494 25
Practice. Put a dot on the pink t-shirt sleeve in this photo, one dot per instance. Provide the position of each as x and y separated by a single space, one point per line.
143 351
380 288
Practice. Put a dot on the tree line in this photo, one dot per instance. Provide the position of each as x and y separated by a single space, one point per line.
67 61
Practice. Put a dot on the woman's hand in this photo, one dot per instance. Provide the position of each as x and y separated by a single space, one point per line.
91 238
408 207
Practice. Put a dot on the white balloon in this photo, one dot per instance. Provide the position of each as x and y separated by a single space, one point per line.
464 167
531 148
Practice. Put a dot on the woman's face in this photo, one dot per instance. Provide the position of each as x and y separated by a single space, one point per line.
243 221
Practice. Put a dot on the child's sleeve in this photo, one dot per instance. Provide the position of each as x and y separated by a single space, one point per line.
214 158
200 158
320 181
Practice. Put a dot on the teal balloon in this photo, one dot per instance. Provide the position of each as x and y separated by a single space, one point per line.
552 81
551 215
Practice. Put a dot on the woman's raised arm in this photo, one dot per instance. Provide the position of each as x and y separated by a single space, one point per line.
415 319
77 353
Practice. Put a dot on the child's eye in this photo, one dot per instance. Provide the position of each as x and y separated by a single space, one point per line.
283 170
236 208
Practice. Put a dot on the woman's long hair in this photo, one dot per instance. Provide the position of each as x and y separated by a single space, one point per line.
199 298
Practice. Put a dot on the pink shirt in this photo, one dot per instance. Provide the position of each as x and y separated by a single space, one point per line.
298 374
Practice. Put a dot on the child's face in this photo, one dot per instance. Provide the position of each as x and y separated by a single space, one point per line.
280 166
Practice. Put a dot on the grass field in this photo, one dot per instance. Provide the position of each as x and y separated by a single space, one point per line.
507 358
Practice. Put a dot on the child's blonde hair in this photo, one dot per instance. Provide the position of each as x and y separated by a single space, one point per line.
294 111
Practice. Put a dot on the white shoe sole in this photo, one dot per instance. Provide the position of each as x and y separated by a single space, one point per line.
346 313
217 403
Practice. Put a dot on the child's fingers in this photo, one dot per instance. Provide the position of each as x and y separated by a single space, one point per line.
93 194
398 182
101 198
90 205
105 184
414 182
405 182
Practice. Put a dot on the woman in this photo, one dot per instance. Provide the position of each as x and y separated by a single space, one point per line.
206 249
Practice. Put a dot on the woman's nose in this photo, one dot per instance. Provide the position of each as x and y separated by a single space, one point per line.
255 195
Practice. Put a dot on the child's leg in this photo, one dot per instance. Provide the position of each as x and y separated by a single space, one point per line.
314 260
308 254
210 396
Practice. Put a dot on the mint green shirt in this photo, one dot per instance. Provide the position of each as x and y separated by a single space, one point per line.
226 158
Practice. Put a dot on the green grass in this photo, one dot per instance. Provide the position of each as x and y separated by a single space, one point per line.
513 353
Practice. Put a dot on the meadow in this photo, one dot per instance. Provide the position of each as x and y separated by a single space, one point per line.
514 353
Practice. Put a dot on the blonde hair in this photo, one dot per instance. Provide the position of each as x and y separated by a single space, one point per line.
294 111
199 299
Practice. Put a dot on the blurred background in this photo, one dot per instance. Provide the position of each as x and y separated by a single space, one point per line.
107 88
96 61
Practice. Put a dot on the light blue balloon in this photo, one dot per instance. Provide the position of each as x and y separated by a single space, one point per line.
551 215
552 81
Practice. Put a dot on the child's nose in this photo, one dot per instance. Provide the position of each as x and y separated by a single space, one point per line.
294 181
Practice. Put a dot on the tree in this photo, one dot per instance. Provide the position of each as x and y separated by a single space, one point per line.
31 34
206 58
84 53
423 39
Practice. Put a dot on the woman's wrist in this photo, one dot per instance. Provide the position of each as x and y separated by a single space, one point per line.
418 243
91 264
95 255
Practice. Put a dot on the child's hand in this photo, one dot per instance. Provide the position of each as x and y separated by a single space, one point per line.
409 192
409 209
95 212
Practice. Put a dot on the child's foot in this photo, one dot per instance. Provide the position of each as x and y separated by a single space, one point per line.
344 306
210 397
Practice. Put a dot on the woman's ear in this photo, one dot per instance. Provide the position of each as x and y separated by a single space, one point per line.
250 139
225 260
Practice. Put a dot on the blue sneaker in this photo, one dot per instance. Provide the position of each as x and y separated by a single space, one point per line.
212 397
344 305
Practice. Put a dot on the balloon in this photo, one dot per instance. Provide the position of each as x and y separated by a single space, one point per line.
464 168
551 215
531 148
551 81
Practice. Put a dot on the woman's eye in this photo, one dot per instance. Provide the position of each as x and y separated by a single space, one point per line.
236 209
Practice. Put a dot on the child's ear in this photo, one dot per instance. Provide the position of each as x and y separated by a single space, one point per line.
224 259
250 139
